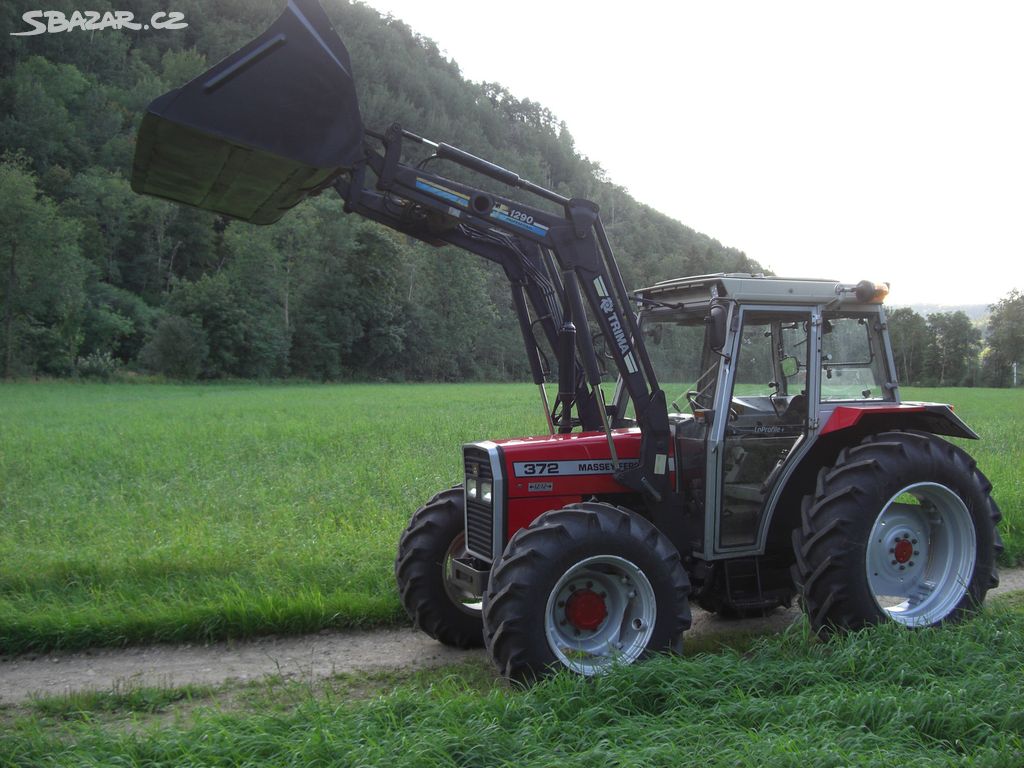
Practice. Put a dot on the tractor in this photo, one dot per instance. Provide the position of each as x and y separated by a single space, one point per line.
755 447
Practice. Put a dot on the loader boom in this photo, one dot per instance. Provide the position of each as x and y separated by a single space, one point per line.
560 266
278 121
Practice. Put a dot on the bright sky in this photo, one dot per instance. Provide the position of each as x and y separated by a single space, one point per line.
880 140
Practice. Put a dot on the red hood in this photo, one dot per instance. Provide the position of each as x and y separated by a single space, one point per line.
591 445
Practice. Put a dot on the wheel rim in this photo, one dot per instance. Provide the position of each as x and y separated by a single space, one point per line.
921 554
601 612
461 597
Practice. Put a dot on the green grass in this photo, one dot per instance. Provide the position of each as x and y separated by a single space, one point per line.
122 699
141 513
884 696
997 415
165 513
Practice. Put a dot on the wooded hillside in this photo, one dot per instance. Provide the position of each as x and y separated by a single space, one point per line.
96 278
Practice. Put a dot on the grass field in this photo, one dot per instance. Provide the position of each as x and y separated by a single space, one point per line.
166 513
878 697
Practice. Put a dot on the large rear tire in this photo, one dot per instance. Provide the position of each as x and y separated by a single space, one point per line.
584 588
437 603
902 528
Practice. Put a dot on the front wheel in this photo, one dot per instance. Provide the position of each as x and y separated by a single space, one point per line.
436 602
584 588
902 528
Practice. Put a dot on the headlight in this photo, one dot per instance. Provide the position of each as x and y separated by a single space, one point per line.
470 488
485 491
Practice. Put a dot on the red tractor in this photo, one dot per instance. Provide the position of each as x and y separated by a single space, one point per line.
783 462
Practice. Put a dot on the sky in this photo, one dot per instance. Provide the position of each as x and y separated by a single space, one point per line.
868 140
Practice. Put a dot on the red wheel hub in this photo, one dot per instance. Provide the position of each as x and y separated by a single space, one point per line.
903 551
586 610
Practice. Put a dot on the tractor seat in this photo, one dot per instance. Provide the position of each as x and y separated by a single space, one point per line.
796 411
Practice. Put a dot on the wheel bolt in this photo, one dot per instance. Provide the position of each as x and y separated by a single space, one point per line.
913 541
561 603
916 553
894 562
903 567
907 536
911 563
892 550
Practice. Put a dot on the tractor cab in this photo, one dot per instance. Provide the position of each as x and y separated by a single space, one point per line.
753 367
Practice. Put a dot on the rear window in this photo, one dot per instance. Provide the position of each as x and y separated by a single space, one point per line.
852 358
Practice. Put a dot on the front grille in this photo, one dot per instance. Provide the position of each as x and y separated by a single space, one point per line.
479 515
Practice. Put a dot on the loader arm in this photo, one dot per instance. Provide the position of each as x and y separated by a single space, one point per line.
561 265
279 120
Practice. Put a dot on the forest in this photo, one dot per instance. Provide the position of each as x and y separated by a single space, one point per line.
97 278
946 349
96 281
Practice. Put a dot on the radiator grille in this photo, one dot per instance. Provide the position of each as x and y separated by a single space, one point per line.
479 515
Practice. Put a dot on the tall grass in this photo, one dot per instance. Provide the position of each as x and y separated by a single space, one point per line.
884 696
163 513
139 513
997 415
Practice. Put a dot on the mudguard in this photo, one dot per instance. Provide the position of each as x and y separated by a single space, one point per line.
257 133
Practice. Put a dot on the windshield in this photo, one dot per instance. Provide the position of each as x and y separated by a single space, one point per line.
687 369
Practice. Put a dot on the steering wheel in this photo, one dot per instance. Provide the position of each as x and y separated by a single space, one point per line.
691 399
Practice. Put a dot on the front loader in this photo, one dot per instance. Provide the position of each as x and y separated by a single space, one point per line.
781 462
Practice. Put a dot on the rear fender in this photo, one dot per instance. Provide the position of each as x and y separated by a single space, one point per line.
935 418
847 426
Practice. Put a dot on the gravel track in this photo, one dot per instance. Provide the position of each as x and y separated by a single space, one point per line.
306 657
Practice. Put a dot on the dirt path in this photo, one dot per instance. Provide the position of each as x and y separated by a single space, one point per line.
308 657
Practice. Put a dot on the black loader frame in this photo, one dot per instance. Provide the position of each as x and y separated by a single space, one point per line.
278 121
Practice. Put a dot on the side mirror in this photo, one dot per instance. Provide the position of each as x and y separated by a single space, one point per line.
789 366
716 321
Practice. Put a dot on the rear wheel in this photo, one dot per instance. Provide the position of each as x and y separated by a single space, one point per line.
584 588
901 528
437 603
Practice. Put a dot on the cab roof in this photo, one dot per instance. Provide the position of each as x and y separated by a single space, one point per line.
745 287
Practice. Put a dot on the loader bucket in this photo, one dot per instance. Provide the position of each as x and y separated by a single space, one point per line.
261 130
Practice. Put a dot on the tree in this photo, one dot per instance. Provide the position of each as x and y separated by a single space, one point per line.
42 275
952 354
910 339
178 349
1005 341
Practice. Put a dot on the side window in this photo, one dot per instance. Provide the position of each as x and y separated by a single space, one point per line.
852 358
754 368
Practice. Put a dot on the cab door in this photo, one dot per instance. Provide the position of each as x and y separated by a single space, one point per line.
761 417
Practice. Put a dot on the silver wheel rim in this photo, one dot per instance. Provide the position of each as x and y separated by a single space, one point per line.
462 598
592 645
921 554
